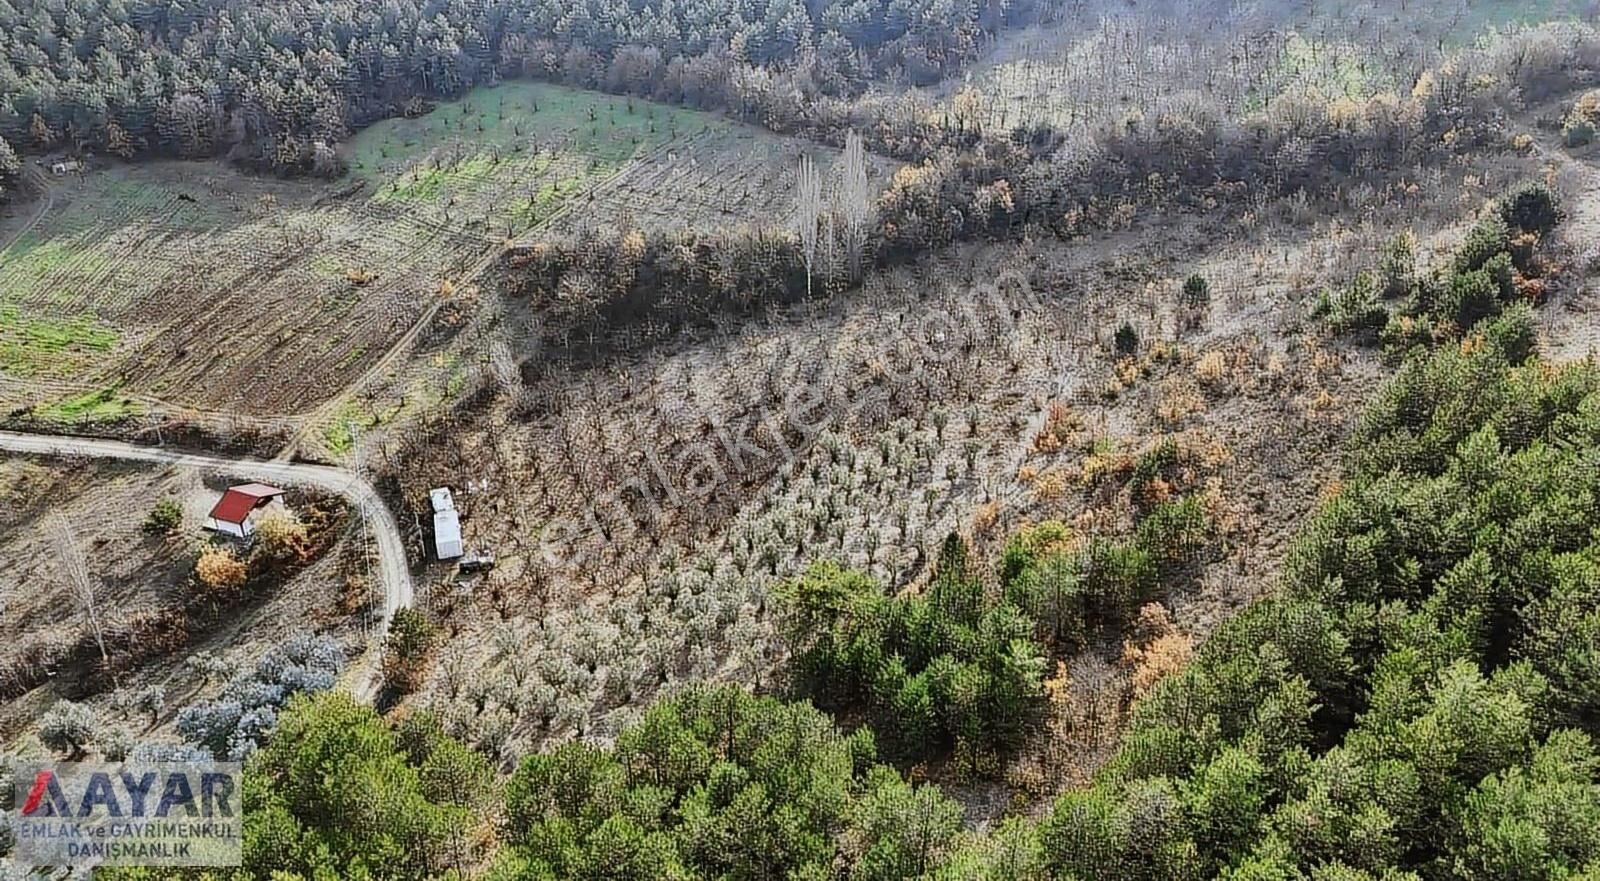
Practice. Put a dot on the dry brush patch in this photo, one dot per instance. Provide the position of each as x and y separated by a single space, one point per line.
1095 64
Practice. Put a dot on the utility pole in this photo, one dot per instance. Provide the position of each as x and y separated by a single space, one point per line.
366 523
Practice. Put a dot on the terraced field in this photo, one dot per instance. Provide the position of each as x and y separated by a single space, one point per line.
194 285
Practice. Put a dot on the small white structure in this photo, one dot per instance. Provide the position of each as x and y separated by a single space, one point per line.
442 500
240 507
68 166
446 525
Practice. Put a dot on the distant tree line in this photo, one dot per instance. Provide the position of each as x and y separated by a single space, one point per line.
274 85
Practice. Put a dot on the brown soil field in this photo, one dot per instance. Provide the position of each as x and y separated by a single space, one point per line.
189 286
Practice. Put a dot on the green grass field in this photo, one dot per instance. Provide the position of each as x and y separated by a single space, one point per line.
503 159
604 127
38 346
201 285
105 405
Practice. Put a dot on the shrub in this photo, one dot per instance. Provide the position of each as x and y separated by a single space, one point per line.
1491 235
1161 650
165 517
1196 293
1512 332
1159 462
407 650
115 743
1118 578
283 536
1577 132
1126 339
169 752
1356 307
68 728
238 719
219 570
1028 546
1397 268
1172 531
148 701
1470 298
1531 207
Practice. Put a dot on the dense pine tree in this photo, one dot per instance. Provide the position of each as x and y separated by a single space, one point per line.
265 81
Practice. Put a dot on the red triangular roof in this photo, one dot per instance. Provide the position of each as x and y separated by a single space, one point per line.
237 503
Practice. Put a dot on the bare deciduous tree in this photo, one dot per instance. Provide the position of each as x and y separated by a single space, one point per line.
855 201
808 212
78 574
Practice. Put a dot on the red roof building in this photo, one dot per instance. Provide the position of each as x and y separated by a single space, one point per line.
234 513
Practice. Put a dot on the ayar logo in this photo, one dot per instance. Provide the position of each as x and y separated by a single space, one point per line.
128 794
152 814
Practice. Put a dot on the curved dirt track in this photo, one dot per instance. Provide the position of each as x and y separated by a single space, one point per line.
394 572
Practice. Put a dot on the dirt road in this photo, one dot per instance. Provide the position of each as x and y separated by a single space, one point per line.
395 574
45 205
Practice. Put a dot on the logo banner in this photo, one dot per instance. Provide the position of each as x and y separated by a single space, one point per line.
127 814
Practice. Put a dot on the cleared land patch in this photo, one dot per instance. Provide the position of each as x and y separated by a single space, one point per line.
503 160
192 284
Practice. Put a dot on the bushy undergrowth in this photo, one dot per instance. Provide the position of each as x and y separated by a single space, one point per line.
234 723
957 669
1498 268
951 668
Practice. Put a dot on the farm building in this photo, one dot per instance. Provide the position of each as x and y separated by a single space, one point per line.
240 507
69 166
446 525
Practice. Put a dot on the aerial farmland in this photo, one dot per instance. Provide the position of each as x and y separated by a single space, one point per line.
195 286
852 440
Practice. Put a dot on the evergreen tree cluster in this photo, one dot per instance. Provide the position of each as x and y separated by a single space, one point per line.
343 793
958 669
1497 267
266 82
1419 702
950 668
717 783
